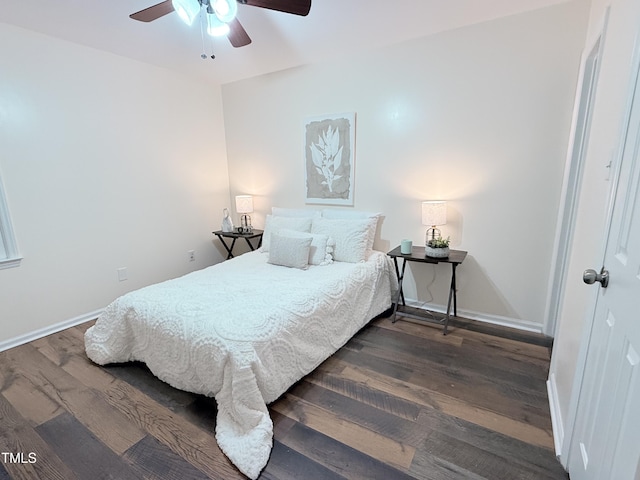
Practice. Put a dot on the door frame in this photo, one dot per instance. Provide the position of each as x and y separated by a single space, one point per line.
572 183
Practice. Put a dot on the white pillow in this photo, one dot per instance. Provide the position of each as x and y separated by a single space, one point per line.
351 237
356 214
347 214
321 249
273 224
295 212
289 251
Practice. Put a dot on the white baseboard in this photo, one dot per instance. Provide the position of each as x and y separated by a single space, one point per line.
482 317
556 415
43 332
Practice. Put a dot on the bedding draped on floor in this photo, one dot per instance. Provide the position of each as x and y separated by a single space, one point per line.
243 331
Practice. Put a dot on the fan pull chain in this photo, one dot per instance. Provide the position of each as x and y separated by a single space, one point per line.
213 57
203 19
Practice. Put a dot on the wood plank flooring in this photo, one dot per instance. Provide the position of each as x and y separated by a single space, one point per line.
399 401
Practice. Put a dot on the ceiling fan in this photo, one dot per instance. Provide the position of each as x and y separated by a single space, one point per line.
221 14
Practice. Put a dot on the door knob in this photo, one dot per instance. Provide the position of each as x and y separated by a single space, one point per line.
590 277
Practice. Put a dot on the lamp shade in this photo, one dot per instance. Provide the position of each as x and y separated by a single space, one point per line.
434 213
187 10
215 27
244 203
225 10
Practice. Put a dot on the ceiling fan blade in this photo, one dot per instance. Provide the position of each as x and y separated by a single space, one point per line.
297 7
237 34
153 13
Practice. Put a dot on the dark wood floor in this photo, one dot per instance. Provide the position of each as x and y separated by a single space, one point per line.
399 401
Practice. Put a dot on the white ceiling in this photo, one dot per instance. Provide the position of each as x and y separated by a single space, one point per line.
332 28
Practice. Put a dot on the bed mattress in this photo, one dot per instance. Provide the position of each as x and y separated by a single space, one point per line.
243 331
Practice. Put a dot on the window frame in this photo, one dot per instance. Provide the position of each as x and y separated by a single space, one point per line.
7 237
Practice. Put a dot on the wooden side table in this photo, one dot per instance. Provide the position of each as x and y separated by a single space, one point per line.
417 254
235 236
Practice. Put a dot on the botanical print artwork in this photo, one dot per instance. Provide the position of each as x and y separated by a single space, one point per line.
329 159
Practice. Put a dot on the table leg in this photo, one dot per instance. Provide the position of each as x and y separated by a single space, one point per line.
399 294
250 245
226 247
452 298
395 262
233 242
454 289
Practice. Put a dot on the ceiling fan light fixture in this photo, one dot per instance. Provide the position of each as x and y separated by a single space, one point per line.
215 27
225 10
188 10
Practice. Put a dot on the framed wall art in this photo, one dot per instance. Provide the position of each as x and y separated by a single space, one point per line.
329 153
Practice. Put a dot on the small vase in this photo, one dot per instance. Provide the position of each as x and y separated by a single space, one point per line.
227 224
436 252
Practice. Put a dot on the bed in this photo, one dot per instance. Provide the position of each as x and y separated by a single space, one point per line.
243 331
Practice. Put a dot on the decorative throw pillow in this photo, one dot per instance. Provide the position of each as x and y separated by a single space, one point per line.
357 215
321 249
289 251
273 224
351 237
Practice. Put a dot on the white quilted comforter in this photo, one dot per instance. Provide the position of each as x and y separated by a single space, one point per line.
242 331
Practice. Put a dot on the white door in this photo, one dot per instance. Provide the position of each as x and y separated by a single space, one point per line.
606 441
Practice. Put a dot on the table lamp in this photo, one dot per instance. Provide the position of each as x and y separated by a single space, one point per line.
434 213
244 205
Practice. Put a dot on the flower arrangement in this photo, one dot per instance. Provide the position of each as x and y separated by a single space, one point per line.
437 248
439 243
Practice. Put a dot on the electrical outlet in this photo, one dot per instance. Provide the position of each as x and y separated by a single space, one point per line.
192 255
122 274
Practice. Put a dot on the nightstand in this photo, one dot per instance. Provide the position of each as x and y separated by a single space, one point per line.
417 254
248 237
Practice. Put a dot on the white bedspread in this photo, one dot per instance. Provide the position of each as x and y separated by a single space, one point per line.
242 331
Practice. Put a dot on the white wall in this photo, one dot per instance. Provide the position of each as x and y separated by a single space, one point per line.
478 116
589 235
107 163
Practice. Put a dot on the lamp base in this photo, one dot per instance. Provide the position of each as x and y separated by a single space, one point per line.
245 224
432 234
